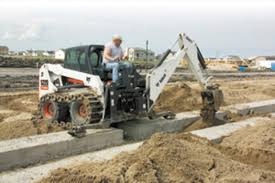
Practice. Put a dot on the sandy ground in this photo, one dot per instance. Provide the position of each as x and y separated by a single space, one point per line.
16 107
16 110
252 145
185 158
222 66
185 96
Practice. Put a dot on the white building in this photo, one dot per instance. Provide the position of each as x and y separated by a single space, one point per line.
264 61
140 54
60 54
48 53
22 53
232 58
31 53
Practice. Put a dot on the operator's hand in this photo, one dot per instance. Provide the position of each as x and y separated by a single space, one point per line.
117 58
125 57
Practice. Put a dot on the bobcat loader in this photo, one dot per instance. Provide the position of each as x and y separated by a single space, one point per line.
80 92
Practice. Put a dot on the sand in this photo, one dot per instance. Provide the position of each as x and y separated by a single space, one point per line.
185 96
166 158
15 116
222 66
247 90
253 145
178 97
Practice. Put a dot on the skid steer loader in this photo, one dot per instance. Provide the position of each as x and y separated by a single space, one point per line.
80 92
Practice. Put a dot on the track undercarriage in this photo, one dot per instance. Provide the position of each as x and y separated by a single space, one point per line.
70 109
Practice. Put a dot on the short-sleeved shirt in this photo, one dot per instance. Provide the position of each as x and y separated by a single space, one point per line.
115 51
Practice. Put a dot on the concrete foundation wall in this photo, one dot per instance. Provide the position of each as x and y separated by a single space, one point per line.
266 106
215 134
36 149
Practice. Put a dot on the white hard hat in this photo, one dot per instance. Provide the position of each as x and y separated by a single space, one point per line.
117 37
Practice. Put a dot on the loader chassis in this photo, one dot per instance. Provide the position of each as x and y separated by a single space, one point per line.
81 91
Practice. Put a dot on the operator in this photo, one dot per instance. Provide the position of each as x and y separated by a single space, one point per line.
113 56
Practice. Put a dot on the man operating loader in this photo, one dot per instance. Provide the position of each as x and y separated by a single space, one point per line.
113 56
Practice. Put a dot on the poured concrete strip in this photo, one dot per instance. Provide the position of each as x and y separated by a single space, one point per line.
40 148
144 128
215 134
265 106
33 174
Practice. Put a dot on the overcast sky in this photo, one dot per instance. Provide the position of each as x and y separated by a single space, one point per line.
220 27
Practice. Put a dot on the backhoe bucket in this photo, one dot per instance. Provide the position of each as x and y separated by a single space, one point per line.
212 99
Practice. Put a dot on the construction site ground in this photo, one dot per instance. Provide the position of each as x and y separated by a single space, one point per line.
248 155
245 156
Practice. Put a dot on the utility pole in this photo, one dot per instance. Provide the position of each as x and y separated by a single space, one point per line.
147 43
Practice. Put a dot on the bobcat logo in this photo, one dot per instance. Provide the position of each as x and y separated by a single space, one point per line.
161 80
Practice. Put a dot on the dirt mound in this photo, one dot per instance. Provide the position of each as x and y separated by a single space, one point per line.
23 102
15 116
178 97
253 145
21 128
243 91
165 158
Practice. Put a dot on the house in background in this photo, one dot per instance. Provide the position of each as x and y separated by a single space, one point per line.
59 54
38 52
136 54
22 53
232 58
48 53
263 61
212 59
12 53
261 58
31 53
4 50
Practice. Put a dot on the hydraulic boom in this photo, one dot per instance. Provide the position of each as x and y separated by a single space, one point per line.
158 77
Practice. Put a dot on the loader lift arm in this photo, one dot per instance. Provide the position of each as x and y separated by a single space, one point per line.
159 76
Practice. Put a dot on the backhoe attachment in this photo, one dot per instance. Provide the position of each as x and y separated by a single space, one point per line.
159 76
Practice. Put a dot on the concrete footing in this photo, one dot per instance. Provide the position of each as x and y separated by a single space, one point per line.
215 134
35 173
40 148
265 106
144 128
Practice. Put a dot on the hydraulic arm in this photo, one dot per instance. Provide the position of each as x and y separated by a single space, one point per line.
158 77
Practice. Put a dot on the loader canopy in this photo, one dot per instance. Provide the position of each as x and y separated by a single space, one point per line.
86 59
